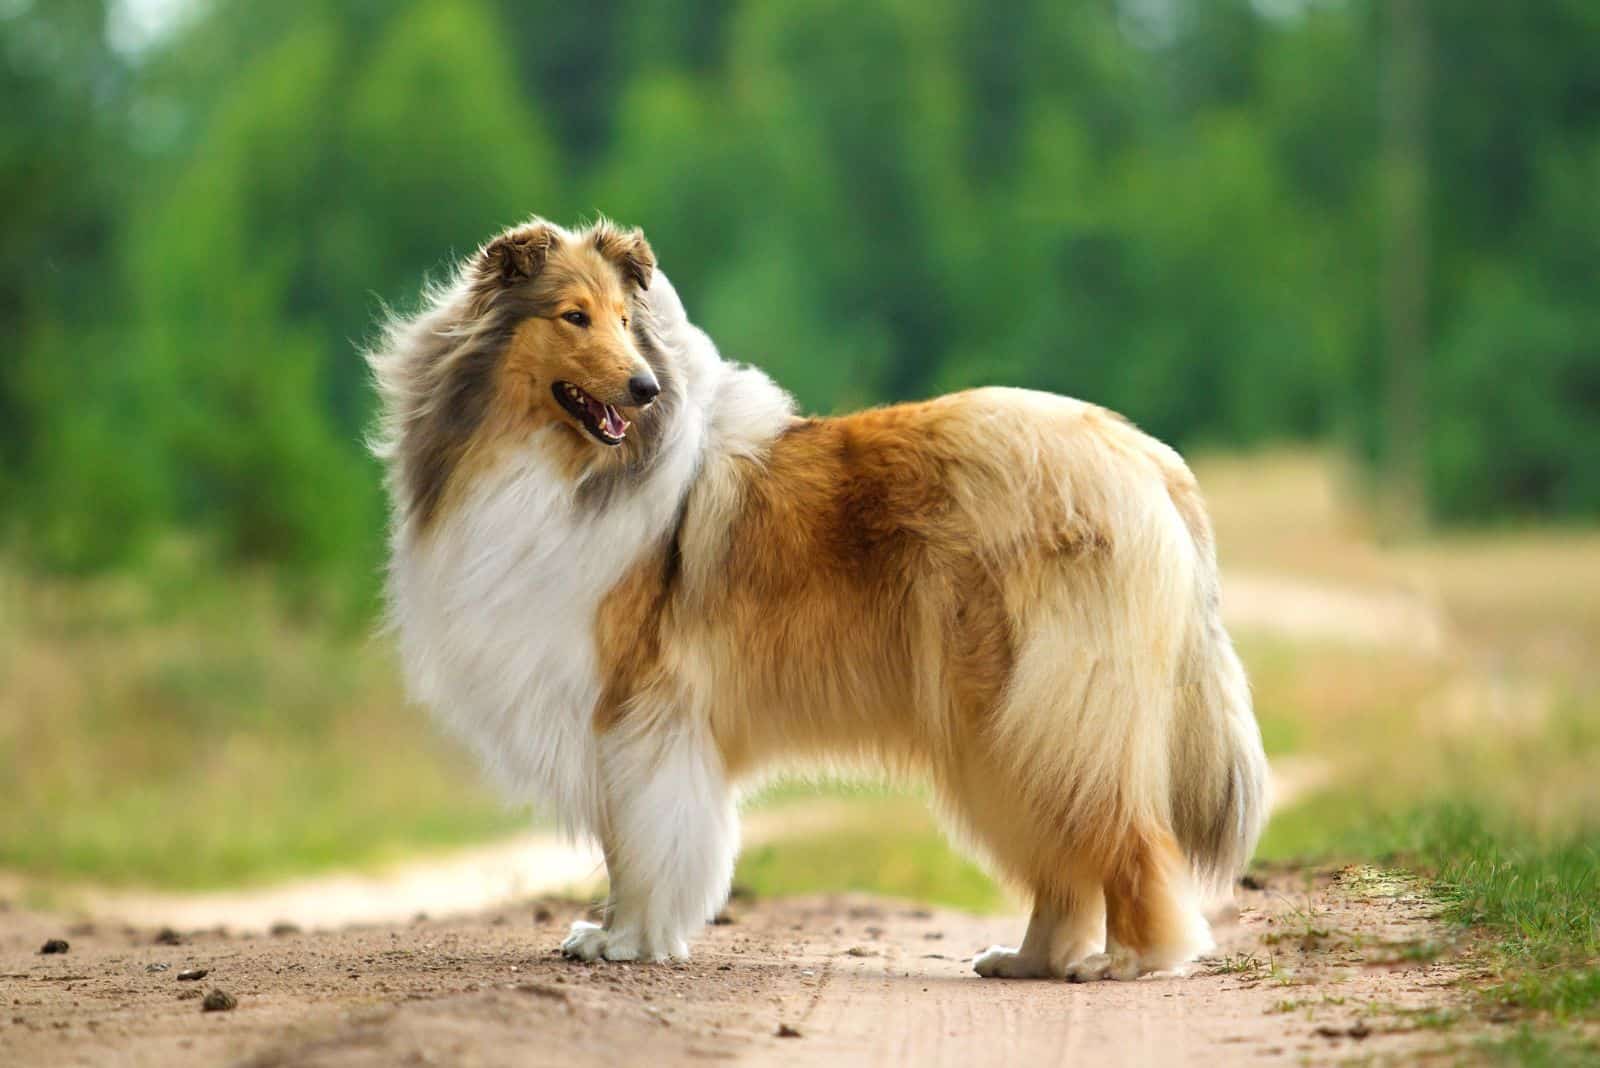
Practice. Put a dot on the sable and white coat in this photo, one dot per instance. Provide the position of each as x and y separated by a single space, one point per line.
1010 594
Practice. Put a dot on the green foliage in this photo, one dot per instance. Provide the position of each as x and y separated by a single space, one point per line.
1169 209
891 847
1531 1047
1544 896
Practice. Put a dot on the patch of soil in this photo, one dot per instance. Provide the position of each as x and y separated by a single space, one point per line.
1311 966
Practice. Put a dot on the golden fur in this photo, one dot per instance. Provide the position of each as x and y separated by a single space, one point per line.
1008 593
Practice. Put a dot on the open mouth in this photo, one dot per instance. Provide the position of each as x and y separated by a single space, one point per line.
602 421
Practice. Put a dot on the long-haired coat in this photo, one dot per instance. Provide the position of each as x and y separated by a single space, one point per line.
630 576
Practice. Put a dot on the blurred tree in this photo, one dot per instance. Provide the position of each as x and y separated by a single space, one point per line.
1169 208
61 156
1513 130
1404 169
347 160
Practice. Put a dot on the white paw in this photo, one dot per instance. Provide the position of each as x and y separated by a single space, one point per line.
1118 964
586 941
622 944
1002 962
591 942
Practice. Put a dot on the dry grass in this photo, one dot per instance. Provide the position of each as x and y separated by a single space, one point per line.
1526 598
1504 710
191 729
1291 513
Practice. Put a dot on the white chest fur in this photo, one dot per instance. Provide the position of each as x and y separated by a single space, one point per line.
495 610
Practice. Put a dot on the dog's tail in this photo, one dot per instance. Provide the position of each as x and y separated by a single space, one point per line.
1219 769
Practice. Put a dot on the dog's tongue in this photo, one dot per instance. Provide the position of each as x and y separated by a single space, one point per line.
615 425
609 418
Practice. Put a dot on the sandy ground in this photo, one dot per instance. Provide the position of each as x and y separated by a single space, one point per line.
1310 966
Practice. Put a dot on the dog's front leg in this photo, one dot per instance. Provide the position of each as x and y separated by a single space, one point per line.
671 835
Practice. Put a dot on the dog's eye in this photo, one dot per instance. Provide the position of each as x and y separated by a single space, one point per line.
576 318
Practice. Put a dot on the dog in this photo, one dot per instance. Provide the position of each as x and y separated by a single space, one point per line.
631 578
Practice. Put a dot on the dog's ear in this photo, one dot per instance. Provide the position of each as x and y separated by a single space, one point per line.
628 250
517 255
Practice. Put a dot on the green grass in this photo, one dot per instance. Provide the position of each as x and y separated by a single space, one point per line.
1537 901
1527 903
879 838
891 847
1533 1047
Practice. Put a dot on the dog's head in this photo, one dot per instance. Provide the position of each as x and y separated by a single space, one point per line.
571 359
544 336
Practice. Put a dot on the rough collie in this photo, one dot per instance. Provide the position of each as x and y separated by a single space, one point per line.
631 577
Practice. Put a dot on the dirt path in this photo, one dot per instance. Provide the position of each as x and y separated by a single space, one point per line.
863 981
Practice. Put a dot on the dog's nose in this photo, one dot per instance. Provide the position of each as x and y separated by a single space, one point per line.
644 388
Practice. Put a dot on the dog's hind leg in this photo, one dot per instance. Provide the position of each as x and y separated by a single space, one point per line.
671 835
1153 917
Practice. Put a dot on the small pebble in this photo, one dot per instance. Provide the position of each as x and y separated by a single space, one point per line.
542 915
194 973
219 1001
283 927
158 966
55 945
785 1031
168 937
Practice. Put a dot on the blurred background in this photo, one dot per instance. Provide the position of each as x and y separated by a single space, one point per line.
1343 253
